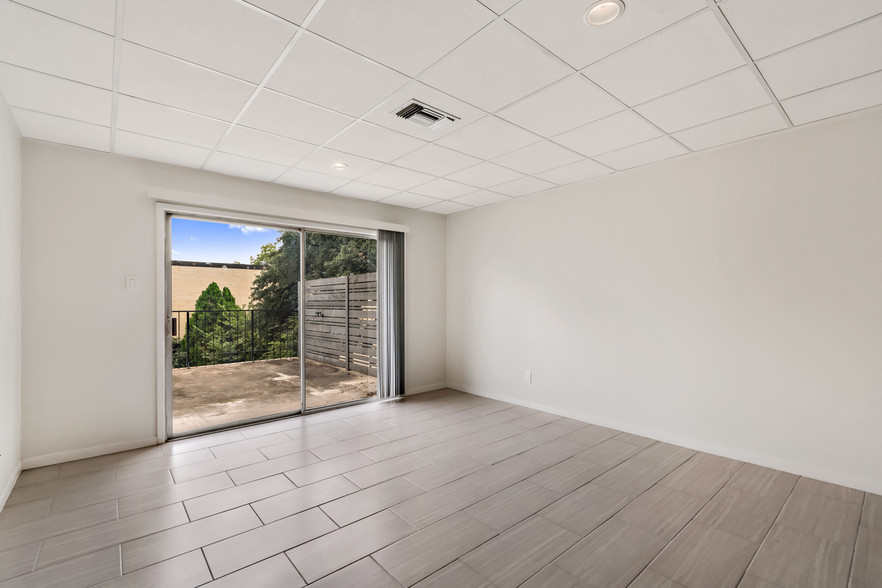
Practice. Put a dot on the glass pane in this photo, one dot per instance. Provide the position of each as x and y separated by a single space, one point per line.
235 323
340 319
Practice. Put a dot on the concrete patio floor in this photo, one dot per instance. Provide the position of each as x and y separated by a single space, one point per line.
219 394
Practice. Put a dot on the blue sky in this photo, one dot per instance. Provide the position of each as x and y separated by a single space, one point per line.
194 240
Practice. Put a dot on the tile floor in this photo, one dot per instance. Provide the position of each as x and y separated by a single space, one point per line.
442 489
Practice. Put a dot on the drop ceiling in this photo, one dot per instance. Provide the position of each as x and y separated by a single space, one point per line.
280 90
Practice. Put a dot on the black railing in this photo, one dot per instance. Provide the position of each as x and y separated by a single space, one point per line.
232 336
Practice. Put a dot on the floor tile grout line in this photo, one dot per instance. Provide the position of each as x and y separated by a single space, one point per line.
856 538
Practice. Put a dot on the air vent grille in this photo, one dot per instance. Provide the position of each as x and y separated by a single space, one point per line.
425 116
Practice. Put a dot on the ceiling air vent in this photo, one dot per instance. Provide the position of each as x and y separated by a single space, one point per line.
425 116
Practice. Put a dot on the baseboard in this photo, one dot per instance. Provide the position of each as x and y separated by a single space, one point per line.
10 484
75 454
792 467
426 388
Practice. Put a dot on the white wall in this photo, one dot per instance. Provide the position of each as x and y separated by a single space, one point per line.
10 302
89 368
729 301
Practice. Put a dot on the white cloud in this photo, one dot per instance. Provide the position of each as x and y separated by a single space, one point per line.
193 239
175 252
248 230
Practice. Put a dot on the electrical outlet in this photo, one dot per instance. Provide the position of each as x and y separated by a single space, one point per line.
528 377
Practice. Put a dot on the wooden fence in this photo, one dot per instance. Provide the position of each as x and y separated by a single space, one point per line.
340 322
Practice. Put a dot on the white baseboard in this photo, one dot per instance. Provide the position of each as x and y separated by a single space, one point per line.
426 388
10 484
75 454
769 461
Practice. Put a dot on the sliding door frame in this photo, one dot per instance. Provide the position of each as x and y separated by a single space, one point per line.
164 212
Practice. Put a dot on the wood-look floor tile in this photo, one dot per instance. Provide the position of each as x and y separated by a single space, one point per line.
633 477
442 472
552 576
303 498
704 556
344 447
58 524
568 475
764 482
365 572
537 419
166 544
585 509
636 440
651 579
698 479
505 473
25 512
665 454
275 571
434 505
509 559
741 513
303 442
350 431
612 556
553 452
165 495
661 511
201 442
512 505
110 461
456 574
134 485
717 461
220 464
749 581
818 515
609 453
165 462
591 435
399 447
83 483
363 503
18 560
81 572
252 546
328 468
346 545
270 467
386 470
830 490
423 553
866 570
230 498
872 513
37 475
249 444
792 559
183 571
96 537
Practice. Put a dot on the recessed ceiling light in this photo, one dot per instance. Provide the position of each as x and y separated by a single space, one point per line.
604 12
339 165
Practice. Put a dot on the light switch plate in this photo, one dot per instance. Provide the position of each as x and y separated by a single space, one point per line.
132 283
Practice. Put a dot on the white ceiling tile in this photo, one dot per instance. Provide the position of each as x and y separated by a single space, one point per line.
259 145
570 103
446 208
856 94
411 200
485 175
37 125
399 178
840 56
724 95
758 121
376 142
44 93
321 161
524 186
481 198
236 165
687 52
384 114
442 188
538 157
283 115
291 10
230 37
436 160
154 149
575 172
607 134
164 122
44 43
308 180
642 153
154 76
338 78
488 138
496 67
365 191
768 27
564 32
395 34
95 14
